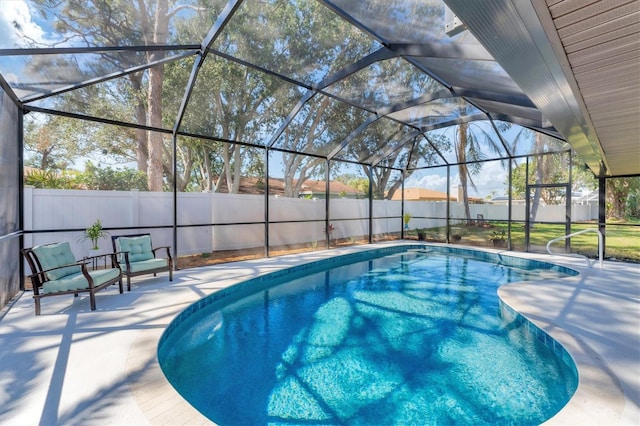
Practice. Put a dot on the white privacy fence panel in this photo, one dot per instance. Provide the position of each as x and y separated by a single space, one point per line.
383 220
51 209
582 212
286 208
350 217
346 208
295 233
426 209
235 208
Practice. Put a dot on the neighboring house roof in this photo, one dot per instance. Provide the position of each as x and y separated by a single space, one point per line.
581 198
424 194
421 194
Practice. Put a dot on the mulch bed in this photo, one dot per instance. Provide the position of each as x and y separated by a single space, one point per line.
225 256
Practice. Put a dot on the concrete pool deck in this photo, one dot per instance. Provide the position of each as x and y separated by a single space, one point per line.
74 366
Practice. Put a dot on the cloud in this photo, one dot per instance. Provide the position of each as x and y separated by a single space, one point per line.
490 180
432 181
17 26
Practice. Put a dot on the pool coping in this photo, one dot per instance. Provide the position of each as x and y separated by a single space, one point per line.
603 395
130 326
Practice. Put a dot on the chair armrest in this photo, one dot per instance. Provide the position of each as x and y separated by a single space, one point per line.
42 275
114 257
162 247
80 263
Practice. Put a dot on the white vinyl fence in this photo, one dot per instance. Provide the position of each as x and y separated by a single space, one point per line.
52 209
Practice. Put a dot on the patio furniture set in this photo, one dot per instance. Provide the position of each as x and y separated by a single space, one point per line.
55 271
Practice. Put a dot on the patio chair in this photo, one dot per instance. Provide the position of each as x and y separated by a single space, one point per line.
55 271
136 256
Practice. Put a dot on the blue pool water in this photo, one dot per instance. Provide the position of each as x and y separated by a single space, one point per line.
398 337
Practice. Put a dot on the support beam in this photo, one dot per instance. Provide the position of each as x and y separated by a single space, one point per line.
467 52
602 212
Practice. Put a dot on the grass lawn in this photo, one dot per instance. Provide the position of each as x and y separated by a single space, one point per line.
622 241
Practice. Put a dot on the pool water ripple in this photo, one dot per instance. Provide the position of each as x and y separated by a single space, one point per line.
405 337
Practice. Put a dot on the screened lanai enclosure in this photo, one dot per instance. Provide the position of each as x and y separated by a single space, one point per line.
264 126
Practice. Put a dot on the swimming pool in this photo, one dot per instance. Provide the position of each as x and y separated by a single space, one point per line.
405 334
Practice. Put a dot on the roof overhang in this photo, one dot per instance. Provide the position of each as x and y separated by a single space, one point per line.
579 63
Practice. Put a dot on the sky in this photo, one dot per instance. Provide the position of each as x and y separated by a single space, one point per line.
489 182
17 27
15 13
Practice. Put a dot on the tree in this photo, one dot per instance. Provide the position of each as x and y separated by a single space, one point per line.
471 139
108 23
385 133
109 179
357 182
52 142
543 168
49 179
618 193
384 84
229 102
633 201
548 195
235 103
320 122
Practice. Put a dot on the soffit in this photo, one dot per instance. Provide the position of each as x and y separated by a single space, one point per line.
601 40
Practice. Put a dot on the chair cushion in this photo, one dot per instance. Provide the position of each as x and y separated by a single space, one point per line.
101 276
79 282
146 265
139 248
54 255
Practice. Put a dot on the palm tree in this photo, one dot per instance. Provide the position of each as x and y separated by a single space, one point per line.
470 139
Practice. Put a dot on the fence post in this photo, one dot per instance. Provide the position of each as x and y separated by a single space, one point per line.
134 212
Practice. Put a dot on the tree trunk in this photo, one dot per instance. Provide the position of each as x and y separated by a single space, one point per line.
295 163
539 176
237 169
186 157
227 155
289 171
207 169
462 168
617 194
155 139
156 76
141 118
392 190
